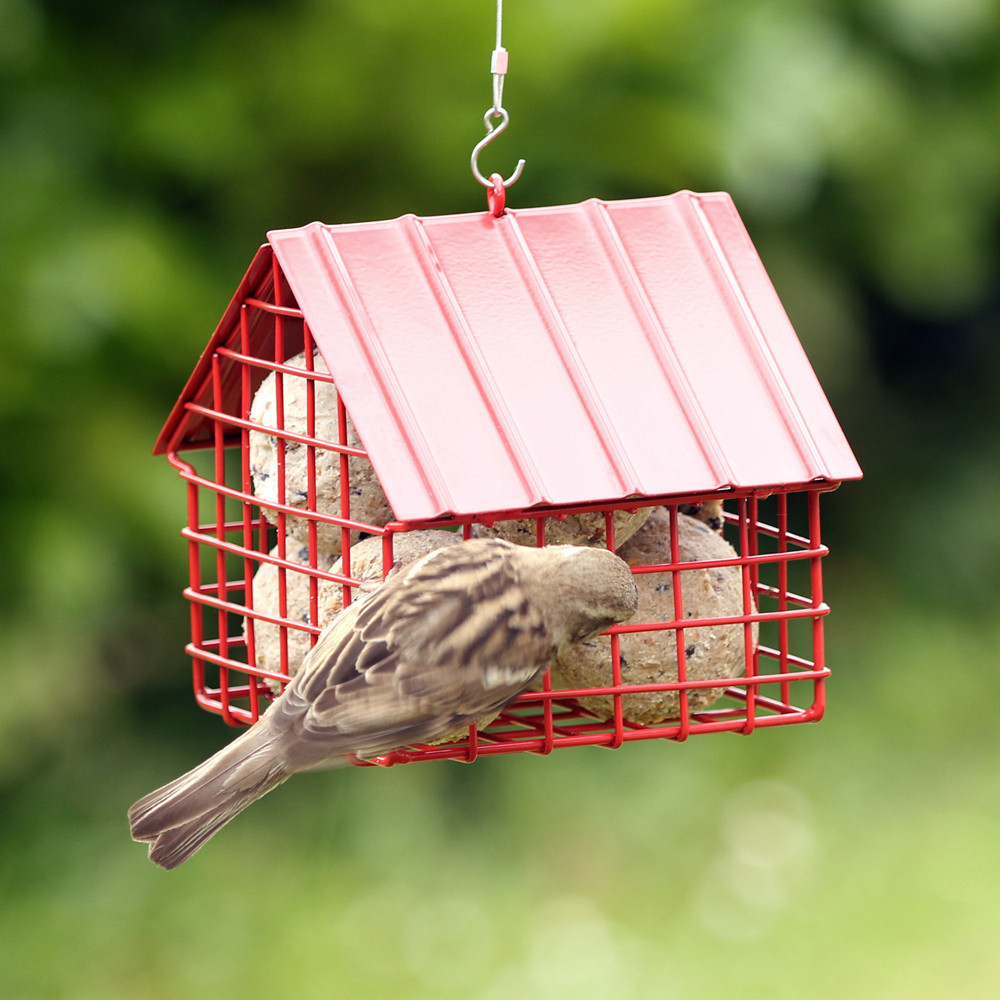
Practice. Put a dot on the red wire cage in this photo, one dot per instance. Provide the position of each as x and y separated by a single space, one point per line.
772 557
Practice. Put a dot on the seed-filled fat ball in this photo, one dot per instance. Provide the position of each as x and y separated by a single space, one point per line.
711 651
368 501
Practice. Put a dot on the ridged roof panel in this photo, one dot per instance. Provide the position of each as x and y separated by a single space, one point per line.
562 355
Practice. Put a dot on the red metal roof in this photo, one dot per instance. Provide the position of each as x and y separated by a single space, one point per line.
560 355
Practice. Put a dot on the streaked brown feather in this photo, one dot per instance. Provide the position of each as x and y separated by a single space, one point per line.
440 642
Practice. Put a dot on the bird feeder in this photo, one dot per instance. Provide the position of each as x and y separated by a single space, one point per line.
577 373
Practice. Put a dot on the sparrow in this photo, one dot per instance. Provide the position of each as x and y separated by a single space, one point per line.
443 641
711 512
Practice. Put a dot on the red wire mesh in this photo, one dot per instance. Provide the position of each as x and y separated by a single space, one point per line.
233 532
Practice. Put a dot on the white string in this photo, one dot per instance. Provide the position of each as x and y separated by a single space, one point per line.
499 64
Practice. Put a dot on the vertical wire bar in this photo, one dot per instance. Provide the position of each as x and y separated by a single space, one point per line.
548 725
616 679
548 719
751 597
388 555
194 581
783 650
220 534
311 499
675 557
472 751
263 527
253 682
281 455
749 514
816 571
248 542
617 699
547 706
345 498
750 518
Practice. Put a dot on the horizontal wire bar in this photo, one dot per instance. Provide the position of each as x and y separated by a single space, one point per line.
748 560
245 612
294 371
201 653
486 747
235 549
797 661
758 616
299 512
283 433
202 596
270 307
584 735
538 697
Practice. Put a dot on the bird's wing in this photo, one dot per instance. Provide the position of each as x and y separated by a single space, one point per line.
449 638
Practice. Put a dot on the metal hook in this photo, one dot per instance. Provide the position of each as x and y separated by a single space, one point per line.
492 131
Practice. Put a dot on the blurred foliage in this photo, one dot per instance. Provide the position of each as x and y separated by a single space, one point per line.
145 150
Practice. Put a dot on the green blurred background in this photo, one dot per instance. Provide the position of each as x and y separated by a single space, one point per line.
145 150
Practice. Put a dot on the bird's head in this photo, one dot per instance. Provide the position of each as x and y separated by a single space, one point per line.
585 590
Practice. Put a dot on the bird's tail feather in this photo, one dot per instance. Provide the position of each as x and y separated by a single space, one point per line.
180 817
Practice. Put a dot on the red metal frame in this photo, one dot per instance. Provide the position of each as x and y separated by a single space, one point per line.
775 532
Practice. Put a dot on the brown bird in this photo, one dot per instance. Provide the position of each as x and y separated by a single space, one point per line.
445 640
711 512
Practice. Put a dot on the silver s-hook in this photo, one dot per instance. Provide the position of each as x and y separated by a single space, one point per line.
492 131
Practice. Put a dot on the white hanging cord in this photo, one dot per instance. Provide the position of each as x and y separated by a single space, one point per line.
498 67
498 63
